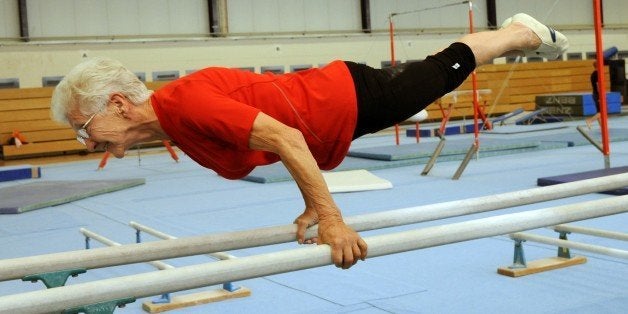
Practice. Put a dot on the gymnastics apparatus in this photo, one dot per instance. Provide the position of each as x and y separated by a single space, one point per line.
121 290
126 289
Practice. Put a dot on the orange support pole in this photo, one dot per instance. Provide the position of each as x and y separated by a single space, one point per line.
446 115
597 22
487 123
173 154
103 161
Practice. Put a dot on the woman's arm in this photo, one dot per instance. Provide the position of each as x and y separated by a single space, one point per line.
271 135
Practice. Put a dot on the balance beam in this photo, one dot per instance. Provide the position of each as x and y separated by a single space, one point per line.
17 268
191 277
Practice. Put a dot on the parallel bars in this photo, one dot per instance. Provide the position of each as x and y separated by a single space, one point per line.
17 268
190 277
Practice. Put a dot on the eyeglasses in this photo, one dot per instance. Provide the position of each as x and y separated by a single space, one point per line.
81 134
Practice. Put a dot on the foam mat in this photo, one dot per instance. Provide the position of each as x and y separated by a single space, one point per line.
21 198
586 175
354 180
425 150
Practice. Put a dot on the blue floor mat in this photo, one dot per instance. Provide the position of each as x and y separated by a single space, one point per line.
363 282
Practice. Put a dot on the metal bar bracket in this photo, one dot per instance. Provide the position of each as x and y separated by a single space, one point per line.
563 251
54 279
519 259
106 307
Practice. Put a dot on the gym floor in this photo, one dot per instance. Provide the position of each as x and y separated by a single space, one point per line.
183 199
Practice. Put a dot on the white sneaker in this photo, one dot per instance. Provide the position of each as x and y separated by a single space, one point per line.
553 43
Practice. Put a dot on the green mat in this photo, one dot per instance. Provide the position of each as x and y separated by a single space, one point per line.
21 198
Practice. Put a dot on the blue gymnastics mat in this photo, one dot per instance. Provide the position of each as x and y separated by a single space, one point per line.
10 173
425 150
24 197
586 175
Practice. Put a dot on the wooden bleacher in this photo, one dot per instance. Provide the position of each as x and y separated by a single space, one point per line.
27 110
515 86
512 86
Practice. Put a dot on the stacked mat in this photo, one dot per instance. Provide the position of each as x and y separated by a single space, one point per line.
584 176
577 104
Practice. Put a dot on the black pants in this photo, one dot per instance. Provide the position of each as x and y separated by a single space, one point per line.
389 96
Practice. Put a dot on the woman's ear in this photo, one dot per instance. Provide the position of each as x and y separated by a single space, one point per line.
120 103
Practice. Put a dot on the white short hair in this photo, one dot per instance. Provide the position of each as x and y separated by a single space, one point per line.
89 85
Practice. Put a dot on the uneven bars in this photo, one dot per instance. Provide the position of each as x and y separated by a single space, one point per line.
190 277
17 268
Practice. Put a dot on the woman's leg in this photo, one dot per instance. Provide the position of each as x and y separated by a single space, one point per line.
392 95
520 34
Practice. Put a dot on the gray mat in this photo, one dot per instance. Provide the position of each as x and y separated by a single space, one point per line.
20 198
425 150
517 129
278 173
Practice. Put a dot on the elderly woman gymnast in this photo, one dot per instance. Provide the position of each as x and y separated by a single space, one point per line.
231 121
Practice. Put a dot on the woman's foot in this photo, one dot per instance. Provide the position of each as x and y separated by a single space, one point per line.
552 43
